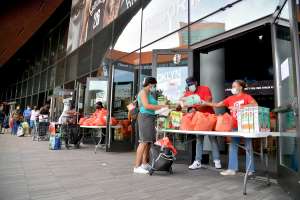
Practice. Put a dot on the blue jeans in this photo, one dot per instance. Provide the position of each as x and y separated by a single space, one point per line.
15 127
214 147
233 154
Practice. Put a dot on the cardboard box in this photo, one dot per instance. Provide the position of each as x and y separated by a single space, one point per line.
254 119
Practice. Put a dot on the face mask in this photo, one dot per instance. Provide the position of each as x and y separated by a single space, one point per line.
153 89
235 91
192 88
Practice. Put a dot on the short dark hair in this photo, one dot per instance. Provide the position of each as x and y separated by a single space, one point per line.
242 83
149 80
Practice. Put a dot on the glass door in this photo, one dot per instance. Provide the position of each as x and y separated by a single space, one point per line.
171 67
286 103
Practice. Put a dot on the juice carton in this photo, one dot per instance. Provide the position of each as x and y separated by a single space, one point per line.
239 119
261 119
251 119
245 120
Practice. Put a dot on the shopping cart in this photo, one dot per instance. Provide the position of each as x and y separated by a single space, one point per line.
40 131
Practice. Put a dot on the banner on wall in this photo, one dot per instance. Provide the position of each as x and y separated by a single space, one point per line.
90 16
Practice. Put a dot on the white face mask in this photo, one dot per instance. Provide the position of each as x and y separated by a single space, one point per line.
235 91
192 88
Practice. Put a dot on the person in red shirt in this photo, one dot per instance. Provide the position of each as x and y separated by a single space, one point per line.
238 100
205 94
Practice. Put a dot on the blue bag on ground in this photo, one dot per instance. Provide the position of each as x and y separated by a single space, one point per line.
55 142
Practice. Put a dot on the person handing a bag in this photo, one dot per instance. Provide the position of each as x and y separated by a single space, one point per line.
192 99
238 100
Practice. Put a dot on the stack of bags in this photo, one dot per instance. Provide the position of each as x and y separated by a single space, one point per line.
97 119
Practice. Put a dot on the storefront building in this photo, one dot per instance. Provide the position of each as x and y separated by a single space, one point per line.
118 43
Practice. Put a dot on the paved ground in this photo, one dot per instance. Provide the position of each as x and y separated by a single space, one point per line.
28 170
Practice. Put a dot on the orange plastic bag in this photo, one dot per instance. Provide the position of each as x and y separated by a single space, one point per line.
186 122
201 122
212 121
82 120
165 142
224 123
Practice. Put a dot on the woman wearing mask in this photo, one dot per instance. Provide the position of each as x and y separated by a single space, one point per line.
146 119
238 100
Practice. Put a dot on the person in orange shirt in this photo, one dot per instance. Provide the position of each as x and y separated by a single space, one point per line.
205 94
238 100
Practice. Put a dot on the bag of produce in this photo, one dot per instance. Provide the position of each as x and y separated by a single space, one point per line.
186 122
224 122
201 122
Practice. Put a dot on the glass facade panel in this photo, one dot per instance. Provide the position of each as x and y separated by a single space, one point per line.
127 31
43 81
84 61
24 88
60 73
230 18
36 83
289 154
71 67
50 78
163 17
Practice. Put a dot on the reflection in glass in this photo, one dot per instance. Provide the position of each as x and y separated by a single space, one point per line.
163 17
288 143
171 77
96 91
229 18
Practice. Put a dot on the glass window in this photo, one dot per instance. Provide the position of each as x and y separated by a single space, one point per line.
24 88
54 46
287 121
127 31
29 87
101 47
230 18
71 66
60 73
46 50
96 90
163 17
19 88
43 82
50 78
63 37
84 62
36 83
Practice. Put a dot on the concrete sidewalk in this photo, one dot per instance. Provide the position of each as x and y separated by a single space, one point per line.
28 170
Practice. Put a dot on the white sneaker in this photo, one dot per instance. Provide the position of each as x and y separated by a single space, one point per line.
217 164
196 165
228 172
140 170
146 166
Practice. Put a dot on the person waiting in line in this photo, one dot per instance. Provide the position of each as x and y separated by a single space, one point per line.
146 120
27 114
44 113
34 118
17 117
238 100
205 94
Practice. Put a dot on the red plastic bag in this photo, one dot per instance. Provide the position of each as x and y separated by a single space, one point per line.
224 122
186 122
165 142
201 122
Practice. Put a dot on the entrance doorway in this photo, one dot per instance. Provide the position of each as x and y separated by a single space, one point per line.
246 56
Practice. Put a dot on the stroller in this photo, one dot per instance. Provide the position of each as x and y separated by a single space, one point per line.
162 156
